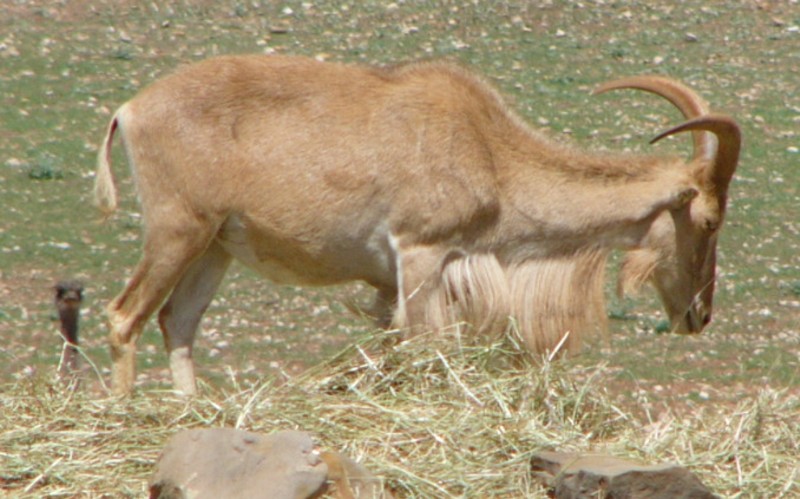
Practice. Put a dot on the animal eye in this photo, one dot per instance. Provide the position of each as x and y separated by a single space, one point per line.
712 225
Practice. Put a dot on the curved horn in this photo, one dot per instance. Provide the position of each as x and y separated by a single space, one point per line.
729 136
685 99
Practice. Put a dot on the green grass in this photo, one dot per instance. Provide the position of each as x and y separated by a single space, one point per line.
65 68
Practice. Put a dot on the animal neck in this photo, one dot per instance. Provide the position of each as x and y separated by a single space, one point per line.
561 201
68 316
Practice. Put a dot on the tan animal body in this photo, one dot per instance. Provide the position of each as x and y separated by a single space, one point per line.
415 179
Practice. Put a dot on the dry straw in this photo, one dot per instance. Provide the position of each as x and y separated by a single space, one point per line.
437 416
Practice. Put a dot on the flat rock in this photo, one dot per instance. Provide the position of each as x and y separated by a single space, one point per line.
223 462
585 476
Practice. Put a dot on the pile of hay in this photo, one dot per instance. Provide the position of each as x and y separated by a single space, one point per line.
435 416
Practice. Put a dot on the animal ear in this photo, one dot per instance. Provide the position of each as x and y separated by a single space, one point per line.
682 197
660 199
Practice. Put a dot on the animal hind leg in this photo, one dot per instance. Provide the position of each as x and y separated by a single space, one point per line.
169 250
181 314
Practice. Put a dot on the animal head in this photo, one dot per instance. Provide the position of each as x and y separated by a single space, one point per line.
680 250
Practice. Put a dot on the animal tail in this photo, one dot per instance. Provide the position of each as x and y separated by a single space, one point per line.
105 192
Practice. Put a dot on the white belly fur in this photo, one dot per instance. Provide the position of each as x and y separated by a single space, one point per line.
374 262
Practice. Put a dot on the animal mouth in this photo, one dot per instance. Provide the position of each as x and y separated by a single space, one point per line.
696 317
693 322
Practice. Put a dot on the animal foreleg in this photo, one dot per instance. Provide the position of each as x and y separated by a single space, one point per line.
420 304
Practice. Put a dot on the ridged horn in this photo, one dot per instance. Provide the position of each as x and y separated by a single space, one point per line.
729 138
682 97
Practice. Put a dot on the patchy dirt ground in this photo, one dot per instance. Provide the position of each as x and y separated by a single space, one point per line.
66 65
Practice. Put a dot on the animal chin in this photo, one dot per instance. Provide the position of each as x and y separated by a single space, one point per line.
691 323
686 323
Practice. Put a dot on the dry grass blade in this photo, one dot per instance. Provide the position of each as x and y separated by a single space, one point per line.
436 416
726 403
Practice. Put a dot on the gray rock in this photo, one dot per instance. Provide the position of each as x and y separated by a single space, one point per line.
222 462
577 476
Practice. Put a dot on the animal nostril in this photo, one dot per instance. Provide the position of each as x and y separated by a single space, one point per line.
706 319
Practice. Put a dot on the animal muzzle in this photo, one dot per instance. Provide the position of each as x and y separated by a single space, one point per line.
696 318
